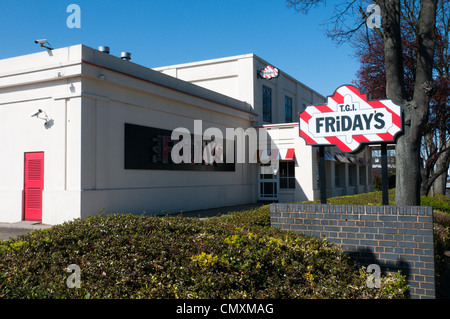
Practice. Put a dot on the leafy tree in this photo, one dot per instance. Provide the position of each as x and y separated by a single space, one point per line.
371 78
348 23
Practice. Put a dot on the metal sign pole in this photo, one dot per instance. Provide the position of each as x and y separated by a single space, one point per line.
384 174
322 175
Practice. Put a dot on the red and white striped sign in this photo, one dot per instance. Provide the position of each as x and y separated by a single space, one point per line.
275 154
349 120
268 73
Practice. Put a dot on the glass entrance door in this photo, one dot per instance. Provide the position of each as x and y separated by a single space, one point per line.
268 182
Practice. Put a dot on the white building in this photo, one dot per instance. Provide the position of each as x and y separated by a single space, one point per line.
84 131
278 101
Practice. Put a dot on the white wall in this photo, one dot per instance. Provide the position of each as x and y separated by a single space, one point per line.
29 83
283 85
107 185
236 77
306 167
89 96
233 76
286 136
150 101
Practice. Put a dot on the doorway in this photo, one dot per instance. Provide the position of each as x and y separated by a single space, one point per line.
268 182
33 186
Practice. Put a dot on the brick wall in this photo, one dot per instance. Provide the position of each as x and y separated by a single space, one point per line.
394 237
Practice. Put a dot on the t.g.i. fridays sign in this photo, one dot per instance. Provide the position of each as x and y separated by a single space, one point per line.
349 120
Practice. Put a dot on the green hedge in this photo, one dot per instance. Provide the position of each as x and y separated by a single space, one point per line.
439 202
233 256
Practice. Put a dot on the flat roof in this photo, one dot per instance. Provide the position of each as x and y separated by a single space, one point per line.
81 54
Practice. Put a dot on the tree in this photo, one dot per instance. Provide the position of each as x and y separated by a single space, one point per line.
346 23
441 98
371 78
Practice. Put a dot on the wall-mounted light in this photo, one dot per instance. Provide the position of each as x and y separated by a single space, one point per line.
43 116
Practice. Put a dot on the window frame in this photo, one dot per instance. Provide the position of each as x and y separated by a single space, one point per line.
289 177
267 103
287 109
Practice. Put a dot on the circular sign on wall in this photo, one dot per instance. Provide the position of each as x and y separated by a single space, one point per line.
269 72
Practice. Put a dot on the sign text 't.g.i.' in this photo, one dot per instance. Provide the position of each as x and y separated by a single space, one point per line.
349 120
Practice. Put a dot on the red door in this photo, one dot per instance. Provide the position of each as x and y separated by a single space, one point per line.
33 185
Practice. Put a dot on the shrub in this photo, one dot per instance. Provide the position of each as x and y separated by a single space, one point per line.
258 217
377 181
438 201
128 256
372 198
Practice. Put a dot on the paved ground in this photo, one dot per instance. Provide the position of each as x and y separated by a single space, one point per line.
12 230
220 211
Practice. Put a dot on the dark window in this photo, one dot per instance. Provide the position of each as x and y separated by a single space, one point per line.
362 175
352 175
287 174
288 109
339 169
267 104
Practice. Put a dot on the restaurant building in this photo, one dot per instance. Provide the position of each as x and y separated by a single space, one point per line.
84 131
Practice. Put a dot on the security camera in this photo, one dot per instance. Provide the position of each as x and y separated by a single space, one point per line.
42 42
48 124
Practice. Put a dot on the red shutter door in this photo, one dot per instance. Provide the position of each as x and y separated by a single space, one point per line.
33 185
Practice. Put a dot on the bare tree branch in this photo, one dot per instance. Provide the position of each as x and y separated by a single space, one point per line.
346 25
303 6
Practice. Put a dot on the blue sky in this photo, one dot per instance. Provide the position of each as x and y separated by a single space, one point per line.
165 32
